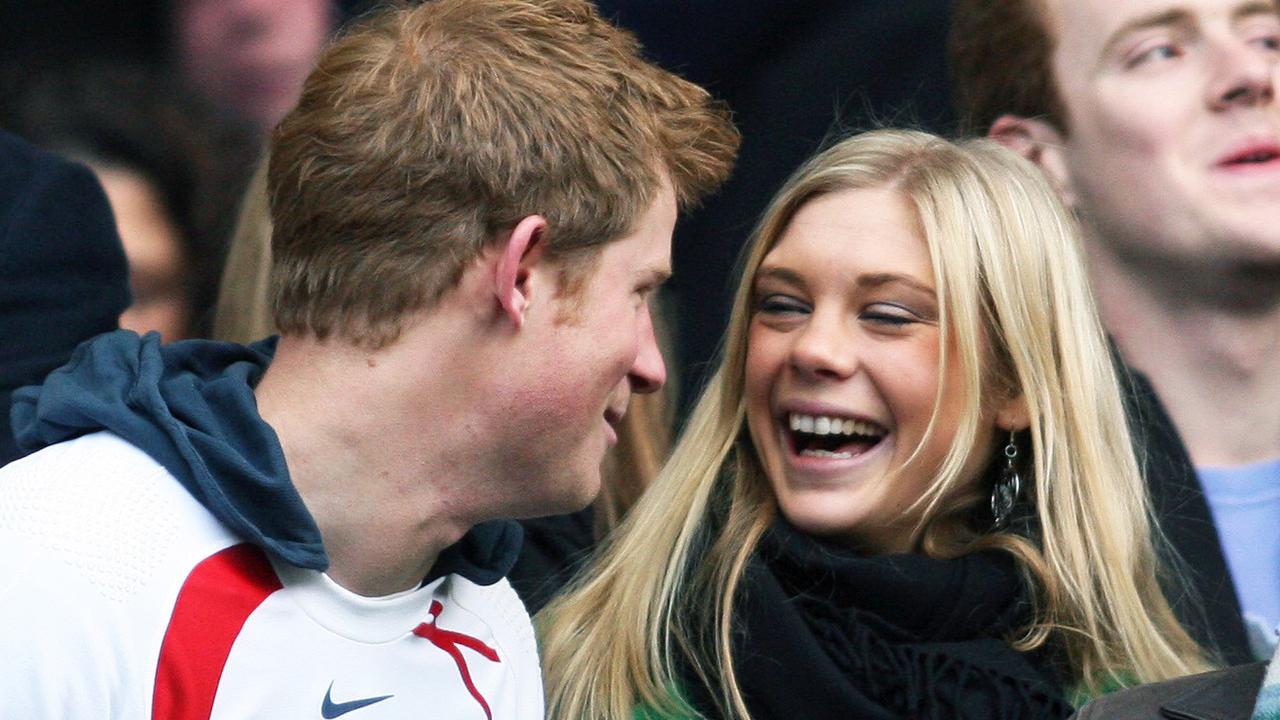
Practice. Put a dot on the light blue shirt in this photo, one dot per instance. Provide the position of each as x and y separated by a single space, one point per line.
1245 502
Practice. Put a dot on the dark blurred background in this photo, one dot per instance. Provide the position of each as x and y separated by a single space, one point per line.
171 99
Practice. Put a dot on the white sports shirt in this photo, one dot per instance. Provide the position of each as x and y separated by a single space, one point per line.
121 597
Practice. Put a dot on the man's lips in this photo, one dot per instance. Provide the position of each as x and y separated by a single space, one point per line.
613 420
1258 153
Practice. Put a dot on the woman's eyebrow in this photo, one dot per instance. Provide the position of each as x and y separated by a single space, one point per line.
774 272
866 280
875 280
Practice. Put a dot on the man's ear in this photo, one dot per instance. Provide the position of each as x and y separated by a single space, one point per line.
1040 142
517 256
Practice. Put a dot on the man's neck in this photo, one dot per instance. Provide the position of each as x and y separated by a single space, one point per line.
383 526
1215 363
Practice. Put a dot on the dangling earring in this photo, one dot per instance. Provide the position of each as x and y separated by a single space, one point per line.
1004 494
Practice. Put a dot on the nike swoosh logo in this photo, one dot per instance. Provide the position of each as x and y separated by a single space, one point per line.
330 709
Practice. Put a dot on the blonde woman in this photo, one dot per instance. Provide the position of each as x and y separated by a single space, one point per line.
908 491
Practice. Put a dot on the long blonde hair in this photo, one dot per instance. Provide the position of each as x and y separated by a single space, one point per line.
243 311
1017 310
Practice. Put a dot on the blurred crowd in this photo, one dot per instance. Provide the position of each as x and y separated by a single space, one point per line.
170 102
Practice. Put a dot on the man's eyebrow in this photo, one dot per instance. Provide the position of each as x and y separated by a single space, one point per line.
655 276
1252 9
1182 16
1160 18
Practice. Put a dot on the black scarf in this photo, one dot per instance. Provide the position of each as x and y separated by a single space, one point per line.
824 633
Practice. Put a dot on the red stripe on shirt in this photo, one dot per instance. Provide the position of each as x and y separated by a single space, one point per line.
212 606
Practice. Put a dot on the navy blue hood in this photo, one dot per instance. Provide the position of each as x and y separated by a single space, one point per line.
190 406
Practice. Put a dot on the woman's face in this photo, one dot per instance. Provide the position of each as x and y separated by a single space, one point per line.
843 369
153 248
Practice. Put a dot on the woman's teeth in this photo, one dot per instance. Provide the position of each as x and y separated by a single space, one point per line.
831 454
828 425
827 436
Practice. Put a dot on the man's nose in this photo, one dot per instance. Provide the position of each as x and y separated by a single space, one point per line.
649 372
1244 75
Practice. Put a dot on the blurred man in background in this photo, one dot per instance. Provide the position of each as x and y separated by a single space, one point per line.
1158 122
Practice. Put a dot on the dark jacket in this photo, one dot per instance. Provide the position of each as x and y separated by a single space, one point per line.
62 269
555 549
1222 695
1200 589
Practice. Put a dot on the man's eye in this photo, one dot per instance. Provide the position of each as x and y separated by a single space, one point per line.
1262 31
1268 42
1157 53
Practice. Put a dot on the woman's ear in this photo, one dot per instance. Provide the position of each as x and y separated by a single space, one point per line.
1013 414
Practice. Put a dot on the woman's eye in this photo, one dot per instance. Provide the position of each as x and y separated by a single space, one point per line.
779 304
888 315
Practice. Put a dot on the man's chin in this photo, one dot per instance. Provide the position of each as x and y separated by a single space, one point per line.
582 493
572 495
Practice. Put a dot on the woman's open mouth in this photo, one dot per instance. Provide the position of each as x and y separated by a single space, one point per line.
831 437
